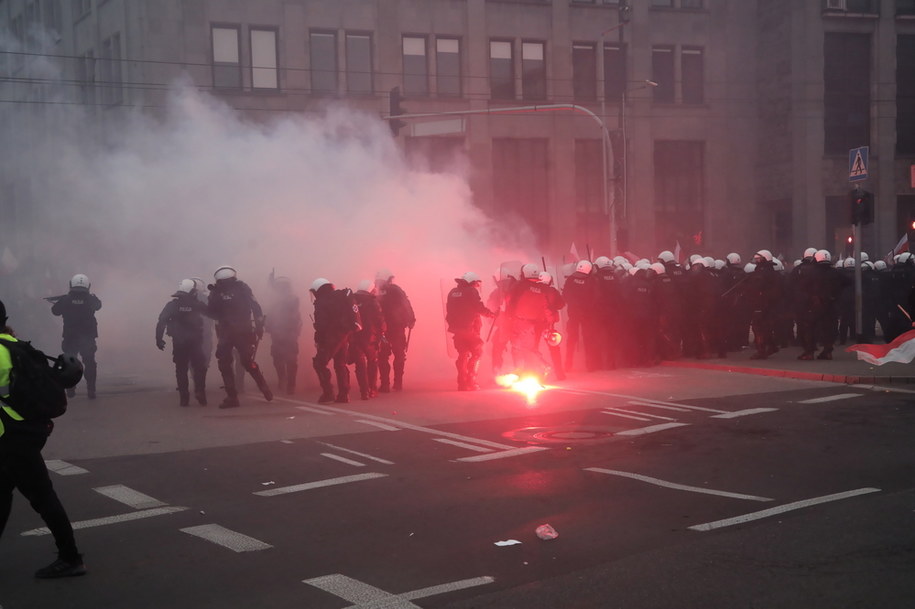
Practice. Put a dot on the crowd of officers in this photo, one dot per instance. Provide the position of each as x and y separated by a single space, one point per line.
621 313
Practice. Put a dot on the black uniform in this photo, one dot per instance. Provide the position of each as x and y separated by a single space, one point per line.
77 308
363 346
463 308
398 316
182 319
335 322
761 293
579 294
531 308
501 330
607 310
284 325
239 326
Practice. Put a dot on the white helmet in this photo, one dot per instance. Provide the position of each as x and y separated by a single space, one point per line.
319 283
766 254
778 265
366 285
186 285
822 256
583 266
849 263
658 268
810 252
633 270
471 277
80 282
733 258
619 260
867 264
602 262
530 271
199 283
904 257
719 264
384 275
749 267
797 262
701 261
864 257
880 265
694 257
666 256
225 272
545 278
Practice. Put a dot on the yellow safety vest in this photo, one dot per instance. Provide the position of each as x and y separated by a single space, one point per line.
6 364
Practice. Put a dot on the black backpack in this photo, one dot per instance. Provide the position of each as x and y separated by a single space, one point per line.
35 389
346 311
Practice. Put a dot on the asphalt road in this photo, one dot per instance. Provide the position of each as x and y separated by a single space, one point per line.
668 488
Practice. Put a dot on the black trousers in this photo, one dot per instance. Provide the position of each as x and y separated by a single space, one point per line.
23 467
244 343
189 356
84 347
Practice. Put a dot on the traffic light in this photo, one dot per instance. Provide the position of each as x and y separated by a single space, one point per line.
625 11
395 109
910 234
861 206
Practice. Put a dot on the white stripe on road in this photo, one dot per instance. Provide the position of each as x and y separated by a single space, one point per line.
98 522
343 459
742 413
379 425
355 452
319 484
612 411
365 596
502 454
129 497
650 429
643 401
63 468
797 505
644 414
831 398
653 405
479 449
226 538
674 485
314 410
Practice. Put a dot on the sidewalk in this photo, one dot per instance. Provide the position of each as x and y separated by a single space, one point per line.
843 368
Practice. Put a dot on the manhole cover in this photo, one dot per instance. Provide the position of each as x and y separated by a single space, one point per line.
559 435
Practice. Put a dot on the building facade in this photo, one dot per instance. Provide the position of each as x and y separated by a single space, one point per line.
716 125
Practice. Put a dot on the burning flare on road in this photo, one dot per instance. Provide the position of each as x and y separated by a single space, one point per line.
530 386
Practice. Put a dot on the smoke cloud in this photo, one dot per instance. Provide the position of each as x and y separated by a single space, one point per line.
167 197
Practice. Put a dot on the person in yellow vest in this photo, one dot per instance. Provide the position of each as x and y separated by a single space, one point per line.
23 467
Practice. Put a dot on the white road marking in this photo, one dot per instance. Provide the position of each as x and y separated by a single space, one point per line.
129 497
650 429
343 459
644 414
831 398
613 412
742 413
797 505
479 449
283 490
98 522
676 486
502 454
653 405
643 401
314 410
63 468
366 596
226 538
355 452
379 425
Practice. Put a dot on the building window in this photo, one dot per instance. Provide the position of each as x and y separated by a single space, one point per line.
323 57
591 216
501 70
614 71
264 50
905 94
226 64
520 174
584 72
905 7
690 3
847 77
86 76
533 71
662 72
679 168
110 68
448 67
51 15
663 3
81 8
692 73
359 63
415 66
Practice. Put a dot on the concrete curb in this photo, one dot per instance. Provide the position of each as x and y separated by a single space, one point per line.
848 379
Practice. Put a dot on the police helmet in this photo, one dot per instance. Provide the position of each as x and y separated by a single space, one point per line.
186 286
658 268
225 272
366 285
602 262
471 277
666 256
733 258
880 265
749 267
583 266
545 278
80 282
765 255
319 283
822 256
384 275
810 252
530 271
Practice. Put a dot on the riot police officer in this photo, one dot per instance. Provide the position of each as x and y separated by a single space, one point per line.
182 319
77 308
398 318
463 310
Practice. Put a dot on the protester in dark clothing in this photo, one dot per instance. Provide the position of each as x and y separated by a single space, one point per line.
182 319
284 325
398 318
463 311
23 467
336 319
77 308
364 343
239 326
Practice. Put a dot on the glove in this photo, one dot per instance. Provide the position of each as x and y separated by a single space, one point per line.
160 344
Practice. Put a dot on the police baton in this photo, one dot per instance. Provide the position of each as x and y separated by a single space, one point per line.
495 318
406 347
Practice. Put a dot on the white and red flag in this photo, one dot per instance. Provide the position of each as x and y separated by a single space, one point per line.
901 350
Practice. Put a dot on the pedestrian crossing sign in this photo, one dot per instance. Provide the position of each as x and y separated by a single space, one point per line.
857 164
